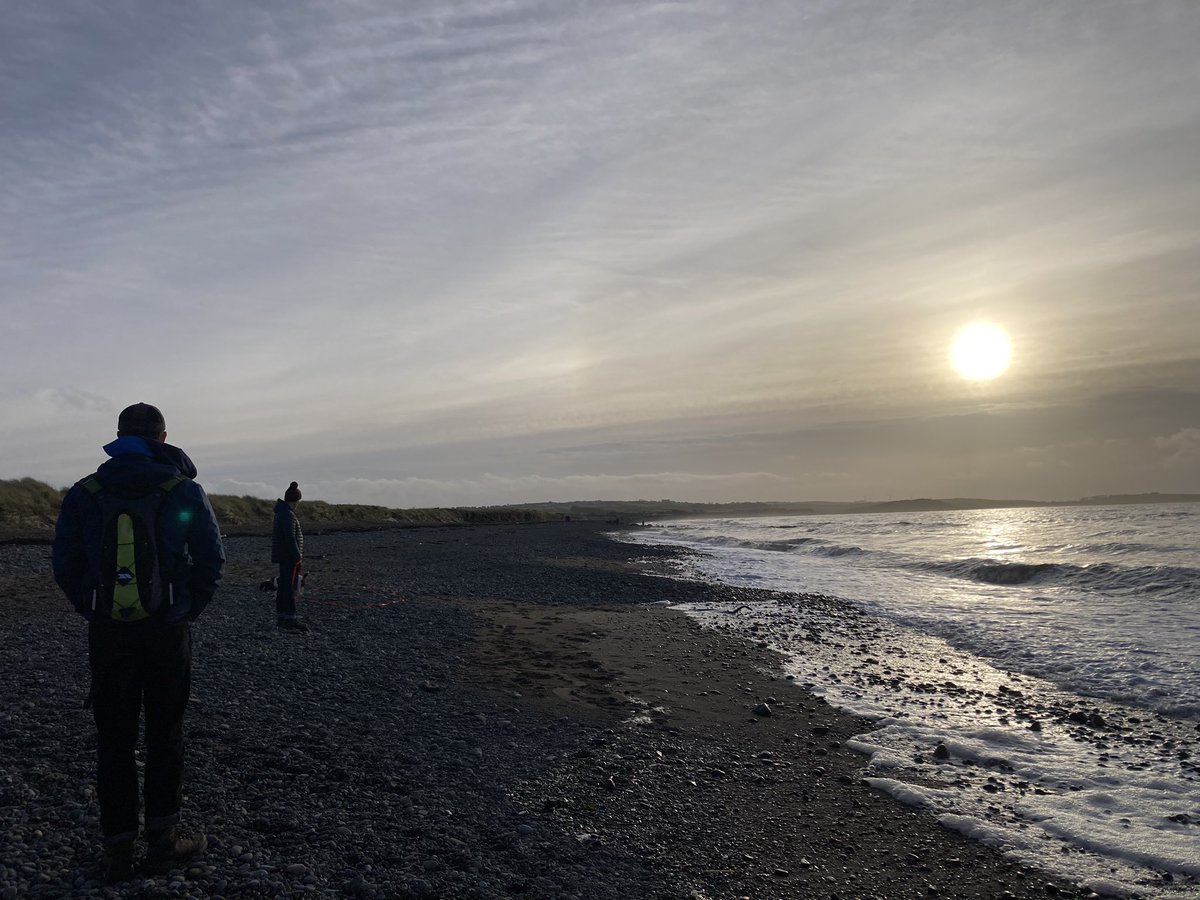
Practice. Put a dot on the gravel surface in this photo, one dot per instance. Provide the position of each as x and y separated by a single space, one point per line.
490 711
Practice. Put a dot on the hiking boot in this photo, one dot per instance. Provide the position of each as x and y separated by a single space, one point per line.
167 851
118 862
292 625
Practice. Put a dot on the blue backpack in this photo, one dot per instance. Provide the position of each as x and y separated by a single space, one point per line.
132 586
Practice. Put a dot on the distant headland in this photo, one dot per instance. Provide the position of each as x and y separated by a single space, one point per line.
629 510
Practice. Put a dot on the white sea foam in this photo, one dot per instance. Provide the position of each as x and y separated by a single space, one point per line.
905 793
1110 804
1091 788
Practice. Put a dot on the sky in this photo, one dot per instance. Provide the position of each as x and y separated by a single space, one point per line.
497 251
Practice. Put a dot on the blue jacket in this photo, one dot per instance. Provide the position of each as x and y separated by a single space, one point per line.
189 544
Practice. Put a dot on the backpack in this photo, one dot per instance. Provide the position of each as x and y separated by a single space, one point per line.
131 586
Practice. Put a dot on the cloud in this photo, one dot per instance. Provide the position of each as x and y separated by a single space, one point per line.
235 488
335 229
72 399
1183 448
39 407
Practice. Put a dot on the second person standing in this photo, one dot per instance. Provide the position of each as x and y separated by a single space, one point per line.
287 549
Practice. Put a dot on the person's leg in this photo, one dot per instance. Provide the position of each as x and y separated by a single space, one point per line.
114 653
285 599
116 664
167 688
285 595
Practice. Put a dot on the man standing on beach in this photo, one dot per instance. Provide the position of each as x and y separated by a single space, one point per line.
137 550
287 549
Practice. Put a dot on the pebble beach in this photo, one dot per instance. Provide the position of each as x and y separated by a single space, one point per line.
477 712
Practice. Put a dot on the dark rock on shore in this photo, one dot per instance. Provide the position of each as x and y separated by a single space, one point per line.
486 712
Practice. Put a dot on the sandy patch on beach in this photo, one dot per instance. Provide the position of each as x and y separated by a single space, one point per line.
706 759
618 661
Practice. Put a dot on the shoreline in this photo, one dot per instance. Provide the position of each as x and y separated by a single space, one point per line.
1055 720
487 712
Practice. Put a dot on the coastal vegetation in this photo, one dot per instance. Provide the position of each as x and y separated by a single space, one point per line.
28 509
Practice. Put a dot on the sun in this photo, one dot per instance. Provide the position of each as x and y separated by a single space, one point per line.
981 352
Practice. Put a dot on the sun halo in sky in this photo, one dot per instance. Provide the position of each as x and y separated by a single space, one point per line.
981 352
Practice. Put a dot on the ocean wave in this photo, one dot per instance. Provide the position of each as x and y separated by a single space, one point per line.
812 545
1102 601
1103 577
816 545
1118 548
839 550
783 545
1136 579
1013 573
994 571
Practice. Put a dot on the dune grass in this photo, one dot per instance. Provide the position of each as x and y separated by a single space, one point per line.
28 509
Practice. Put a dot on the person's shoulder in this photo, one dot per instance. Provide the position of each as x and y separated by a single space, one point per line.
80 486
76 492
191 489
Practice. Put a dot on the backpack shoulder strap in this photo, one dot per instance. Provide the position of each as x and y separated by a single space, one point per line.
171 483
93 486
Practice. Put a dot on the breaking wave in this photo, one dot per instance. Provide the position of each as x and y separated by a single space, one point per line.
1101 576
1106 577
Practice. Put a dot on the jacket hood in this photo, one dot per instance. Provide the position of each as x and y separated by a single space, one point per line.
132 445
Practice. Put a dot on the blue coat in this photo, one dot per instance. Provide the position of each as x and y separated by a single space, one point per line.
189 544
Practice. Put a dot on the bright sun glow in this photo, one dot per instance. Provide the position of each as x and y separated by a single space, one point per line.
981 352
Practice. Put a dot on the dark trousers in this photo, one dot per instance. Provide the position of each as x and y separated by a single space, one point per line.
134 666
285 590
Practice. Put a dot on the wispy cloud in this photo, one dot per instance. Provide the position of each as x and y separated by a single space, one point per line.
313 224
1183 449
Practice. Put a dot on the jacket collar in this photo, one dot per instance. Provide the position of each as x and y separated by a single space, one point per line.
132 445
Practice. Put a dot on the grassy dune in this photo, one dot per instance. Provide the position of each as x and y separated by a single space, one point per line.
28 509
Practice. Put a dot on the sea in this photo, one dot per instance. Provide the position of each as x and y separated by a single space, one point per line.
1031 675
